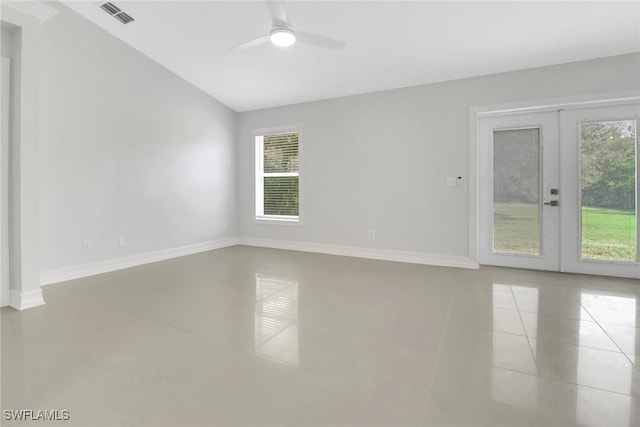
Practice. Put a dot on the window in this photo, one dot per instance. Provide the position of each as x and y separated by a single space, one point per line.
278 176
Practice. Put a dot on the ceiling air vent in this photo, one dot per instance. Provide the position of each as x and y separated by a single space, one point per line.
124 18
116 12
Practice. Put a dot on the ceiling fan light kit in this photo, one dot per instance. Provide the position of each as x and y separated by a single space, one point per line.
282 37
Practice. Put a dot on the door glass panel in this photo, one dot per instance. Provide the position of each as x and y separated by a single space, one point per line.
608 190
516 190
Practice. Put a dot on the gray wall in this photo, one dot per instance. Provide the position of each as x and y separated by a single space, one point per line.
379 161
128 148
125 148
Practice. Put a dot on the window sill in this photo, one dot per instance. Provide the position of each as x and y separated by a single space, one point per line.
277 220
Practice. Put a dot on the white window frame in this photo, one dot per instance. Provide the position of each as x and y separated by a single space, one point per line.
258 207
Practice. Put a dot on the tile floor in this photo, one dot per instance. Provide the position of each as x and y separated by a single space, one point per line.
249 336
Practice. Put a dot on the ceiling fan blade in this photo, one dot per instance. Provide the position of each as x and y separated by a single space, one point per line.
278 13
321 41
250 43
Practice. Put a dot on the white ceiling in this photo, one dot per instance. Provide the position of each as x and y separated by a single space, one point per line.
390 44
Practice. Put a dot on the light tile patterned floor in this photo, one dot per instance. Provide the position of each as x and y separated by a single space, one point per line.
248 336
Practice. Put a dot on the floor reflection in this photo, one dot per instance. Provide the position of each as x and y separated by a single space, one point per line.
276 319
608 309
611 309
502 390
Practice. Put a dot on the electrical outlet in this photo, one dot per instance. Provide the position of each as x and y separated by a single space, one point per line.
459 181
372 234
124 241
451 181
86 245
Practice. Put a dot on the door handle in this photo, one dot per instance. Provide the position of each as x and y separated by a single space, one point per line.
552 203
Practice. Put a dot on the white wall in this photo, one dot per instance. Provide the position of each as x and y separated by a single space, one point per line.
379 161
127 148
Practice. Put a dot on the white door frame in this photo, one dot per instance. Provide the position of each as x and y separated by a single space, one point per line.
26 291
543 105
5 291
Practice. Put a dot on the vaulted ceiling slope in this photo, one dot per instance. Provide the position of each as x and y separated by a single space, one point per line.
390 44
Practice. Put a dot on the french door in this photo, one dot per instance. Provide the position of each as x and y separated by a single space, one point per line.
558 190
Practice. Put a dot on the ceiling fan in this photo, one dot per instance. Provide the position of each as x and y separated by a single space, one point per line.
283 34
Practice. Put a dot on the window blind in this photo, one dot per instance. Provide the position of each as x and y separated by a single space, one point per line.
280 174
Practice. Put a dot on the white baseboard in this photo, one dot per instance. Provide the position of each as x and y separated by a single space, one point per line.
28 299
76 272
381 254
